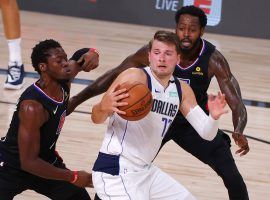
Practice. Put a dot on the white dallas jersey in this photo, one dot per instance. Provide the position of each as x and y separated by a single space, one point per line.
139 141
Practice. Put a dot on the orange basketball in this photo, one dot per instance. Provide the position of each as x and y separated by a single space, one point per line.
139 101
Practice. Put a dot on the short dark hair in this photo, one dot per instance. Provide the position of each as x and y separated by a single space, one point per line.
167 37
40 52
194 11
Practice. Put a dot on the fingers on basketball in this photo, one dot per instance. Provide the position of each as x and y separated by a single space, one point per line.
139 101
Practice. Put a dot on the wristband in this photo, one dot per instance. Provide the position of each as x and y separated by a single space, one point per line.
78 54
75 177
94 50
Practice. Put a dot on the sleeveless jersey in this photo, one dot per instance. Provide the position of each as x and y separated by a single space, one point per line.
49 132
139 141
196 75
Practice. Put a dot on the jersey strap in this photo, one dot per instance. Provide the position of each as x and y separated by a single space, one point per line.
178 87
148 79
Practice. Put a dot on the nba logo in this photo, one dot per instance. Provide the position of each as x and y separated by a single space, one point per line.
212 9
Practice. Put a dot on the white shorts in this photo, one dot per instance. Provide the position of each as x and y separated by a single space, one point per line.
139 183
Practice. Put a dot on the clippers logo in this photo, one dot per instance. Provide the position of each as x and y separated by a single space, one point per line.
61 123
212 9
187 81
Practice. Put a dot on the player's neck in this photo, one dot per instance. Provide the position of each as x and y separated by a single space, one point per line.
51 88
163 80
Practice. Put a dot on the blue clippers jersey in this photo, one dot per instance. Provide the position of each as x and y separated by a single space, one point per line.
196 75
49 132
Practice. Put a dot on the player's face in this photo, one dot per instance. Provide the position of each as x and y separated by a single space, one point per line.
189 31
57 65
163 58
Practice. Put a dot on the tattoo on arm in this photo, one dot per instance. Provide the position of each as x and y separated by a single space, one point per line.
219 67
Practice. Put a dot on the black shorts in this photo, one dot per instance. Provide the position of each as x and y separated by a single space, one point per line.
212 152
14 181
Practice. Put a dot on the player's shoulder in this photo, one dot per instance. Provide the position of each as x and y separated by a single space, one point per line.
208 43
31 107
217 57
30 103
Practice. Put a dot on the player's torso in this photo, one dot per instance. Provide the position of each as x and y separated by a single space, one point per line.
196 74
50 130
140 141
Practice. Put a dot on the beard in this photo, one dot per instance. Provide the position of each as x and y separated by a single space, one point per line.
63 81
187 50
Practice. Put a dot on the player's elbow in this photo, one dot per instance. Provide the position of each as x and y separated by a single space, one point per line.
205 125
98 115
26 165
96 119
209 136
209 130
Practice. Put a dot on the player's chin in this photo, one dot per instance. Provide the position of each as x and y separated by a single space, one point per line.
164 73
64 80
186 48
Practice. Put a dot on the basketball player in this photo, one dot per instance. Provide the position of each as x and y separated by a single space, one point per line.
200 61
12 29
124 169
27 154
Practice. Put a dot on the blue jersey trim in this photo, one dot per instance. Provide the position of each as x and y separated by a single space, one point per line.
179 90
148 79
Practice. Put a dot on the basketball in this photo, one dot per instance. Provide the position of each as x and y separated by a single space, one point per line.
139 101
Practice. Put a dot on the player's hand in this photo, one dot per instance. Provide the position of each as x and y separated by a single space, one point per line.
216 105
84 179
89 61
112 100
242 142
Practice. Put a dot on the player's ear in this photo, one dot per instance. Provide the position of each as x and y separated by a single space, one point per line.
149 55
42 67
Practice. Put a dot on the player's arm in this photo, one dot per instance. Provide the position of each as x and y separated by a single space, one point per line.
101 84
219 67
110 100
32 116
85 59
206 126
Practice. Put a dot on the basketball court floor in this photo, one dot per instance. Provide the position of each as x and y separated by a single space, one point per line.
80 139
